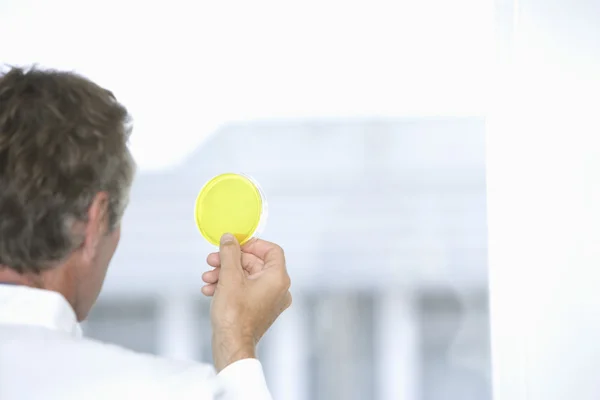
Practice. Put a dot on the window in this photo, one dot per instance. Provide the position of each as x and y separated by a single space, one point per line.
383 222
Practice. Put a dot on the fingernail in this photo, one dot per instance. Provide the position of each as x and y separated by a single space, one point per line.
227 238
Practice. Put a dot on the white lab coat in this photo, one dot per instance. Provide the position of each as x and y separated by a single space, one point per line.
44 356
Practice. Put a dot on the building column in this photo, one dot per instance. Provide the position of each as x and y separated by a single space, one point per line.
397 346
178 336
286 354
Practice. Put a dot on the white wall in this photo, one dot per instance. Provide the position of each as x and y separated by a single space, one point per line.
543 168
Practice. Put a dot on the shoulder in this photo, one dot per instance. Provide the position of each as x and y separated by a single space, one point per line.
70 368
124 371
121 359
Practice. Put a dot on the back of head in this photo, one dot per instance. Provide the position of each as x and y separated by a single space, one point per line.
63 139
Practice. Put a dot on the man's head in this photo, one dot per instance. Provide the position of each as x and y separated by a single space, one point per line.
65 175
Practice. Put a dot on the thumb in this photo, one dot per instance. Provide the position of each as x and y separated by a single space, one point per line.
231 259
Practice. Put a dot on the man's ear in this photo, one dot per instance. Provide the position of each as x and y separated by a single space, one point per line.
97 224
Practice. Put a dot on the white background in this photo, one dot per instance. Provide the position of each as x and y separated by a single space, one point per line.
185 67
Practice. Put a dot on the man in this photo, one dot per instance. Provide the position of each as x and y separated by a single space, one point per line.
65 174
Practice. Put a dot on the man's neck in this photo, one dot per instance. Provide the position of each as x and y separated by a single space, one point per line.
10 276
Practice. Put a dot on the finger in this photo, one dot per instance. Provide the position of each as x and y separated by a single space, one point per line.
213 260
270 253
231 259
208 290
288 300
258 247
250 263
211 276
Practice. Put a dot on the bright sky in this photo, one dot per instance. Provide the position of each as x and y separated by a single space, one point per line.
185 67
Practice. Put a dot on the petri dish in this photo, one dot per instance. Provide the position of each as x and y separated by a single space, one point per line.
230 203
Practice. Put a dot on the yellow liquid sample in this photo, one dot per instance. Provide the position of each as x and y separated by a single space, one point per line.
228 203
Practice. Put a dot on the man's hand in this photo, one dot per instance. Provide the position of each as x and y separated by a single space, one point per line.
250 289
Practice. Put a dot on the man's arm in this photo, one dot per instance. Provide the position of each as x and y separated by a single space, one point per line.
250 289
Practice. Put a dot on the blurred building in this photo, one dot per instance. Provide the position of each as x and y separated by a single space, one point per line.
384 226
